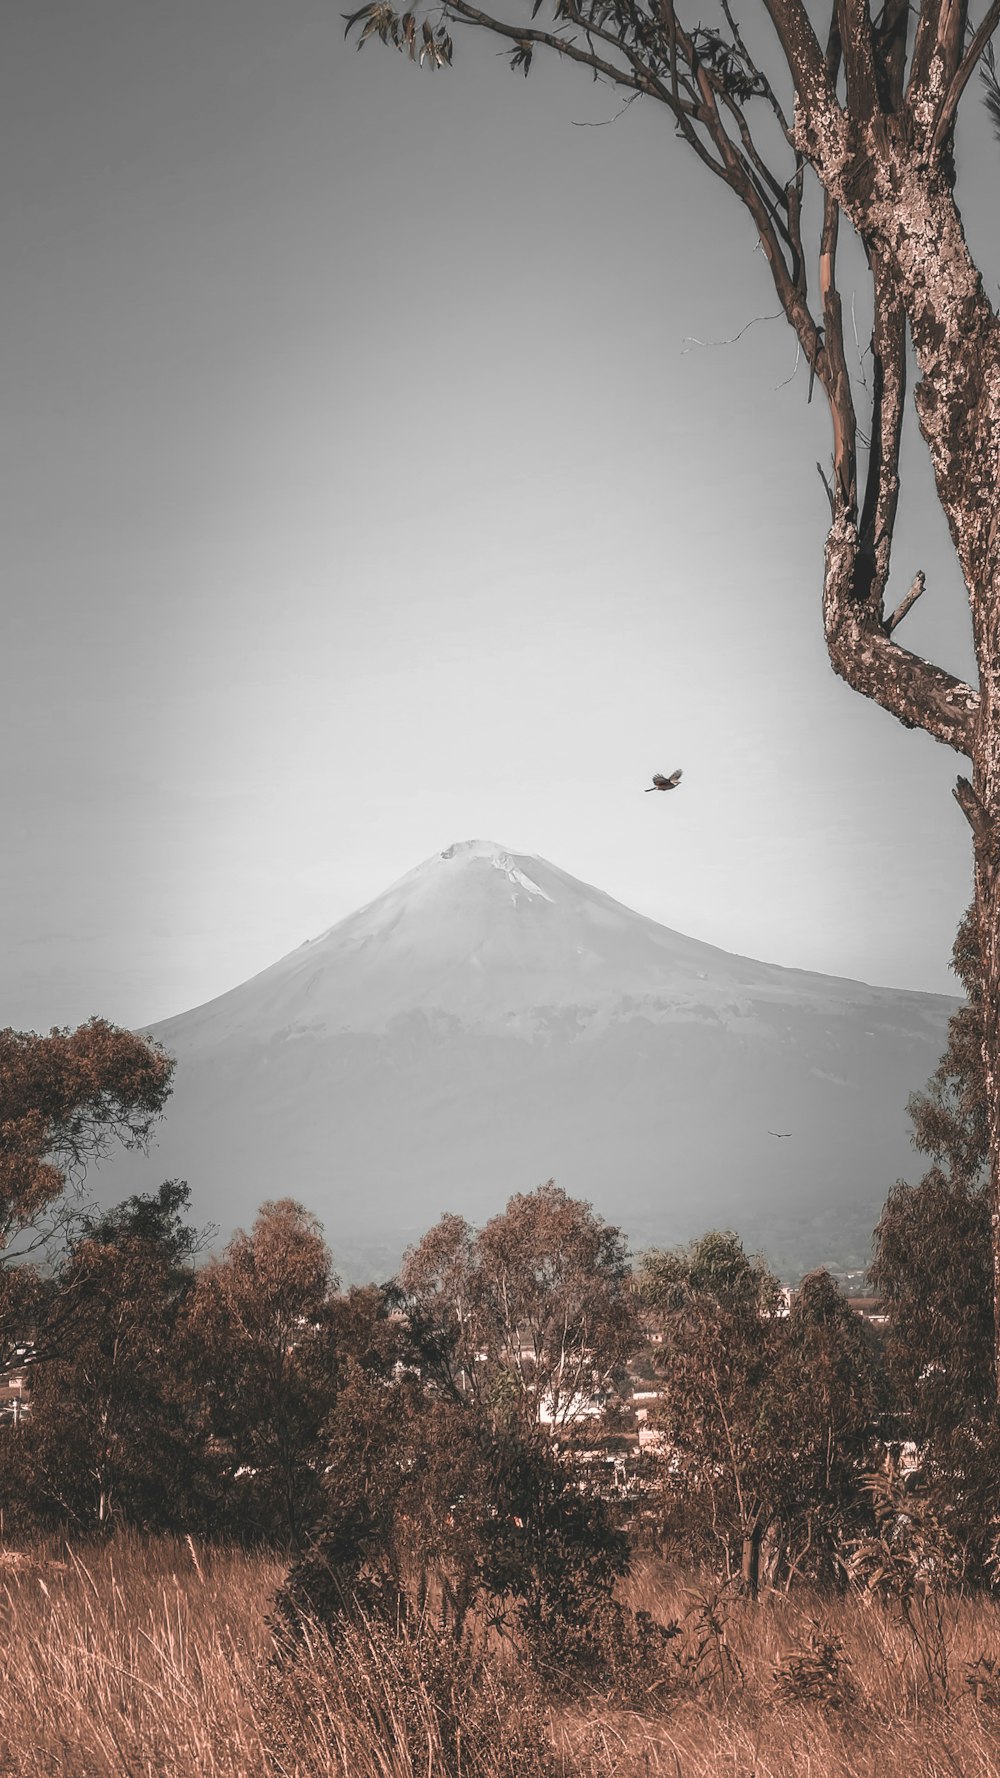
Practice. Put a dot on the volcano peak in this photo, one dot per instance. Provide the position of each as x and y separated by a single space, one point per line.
475 849
470 851
490 1020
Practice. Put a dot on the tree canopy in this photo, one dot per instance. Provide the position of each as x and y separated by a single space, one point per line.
64 1099
533 1311
769 1412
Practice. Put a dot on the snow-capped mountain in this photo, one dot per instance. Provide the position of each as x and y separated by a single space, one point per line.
490 1022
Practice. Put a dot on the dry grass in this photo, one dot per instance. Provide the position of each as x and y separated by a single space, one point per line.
150 1659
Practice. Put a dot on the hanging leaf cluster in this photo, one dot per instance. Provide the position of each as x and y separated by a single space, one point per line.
736 74
992 85
382 21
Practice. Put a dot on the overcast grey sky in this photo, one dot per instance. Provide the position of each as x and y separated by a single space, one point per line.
363 490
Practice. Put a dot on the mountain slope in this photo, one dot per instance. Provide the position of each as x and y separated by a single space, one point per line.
490 1021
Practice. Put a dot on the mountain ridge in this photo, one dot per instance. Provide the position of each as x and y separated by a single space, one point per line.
607 948
490 1021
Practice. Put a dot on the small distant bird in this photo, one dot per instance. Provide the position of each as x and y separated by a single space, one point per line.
662 783
781 1134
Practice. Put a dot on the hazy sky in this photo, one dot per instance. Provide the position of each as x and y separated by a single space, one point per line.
363 490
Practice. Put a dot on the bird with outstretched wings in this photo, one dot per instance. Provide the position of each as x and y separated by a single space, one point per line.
662 783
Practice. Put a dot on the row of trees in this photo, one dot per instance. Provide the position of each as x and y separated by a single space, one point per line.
249 1396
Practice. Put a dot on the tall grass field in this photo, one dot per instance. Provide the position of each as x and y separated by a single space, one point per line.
152 1658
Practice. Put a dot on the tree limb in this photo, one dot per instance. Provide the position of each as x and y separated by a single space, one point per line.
878 513
949 104
907 604
805 59
917 693
854 23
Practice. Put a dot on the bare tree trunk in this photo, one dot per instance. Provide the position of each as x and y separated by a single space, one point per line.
981 806
988 920
912 230
750 1566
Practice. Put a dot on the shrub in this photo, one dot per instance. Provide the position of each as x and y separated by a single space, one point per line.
816 1673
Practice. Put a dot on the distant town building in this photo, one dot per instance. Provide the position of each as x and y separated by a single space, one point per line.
15 1390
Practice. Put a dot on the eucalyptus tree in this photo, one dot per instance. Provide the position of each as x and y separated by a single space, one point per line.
261 1357
816 117
770 1413
533 1312
65 1100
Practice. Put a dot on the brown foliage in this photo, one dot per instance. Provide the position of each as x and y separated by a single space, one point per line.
108 1440
769 1417
65 1097
534 1307
260 1352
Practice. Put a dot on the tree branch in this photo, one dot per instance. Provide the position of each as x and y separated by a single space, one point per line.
890 53
937 53
949 104
907 604
643 82
805 59
878 514
854 23
831 366
917 693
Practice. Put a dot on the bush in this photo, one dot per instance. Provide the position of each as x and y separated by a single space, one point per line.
816 1673
628 1657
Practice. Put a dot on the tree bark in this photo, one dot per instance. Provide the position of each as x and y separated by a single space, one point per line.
750 1565
907 218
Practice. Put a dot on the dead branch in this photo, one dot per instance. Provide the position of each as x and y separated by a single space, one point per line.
691 339
907 604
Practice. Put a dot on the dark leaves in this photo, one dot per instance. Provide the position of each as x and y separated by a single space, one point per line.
436 46
520 56
731 67
382 21
992 85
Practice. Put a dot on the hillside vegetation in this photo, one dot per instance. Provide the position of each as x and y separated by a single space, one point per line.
530 1510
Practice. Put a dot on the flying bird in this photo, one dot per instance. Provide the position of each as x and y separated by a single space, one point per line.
781 1134
662 783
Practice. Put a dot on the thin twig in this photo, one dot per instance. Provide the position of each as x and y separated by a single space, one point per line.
691 339
599 123
829 490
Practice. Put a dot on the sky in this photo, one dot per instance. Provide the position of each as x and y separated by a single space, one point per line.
373 479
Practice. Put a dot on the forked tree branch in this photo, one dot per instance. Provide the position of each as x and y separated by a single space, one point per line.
917 693
949 105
